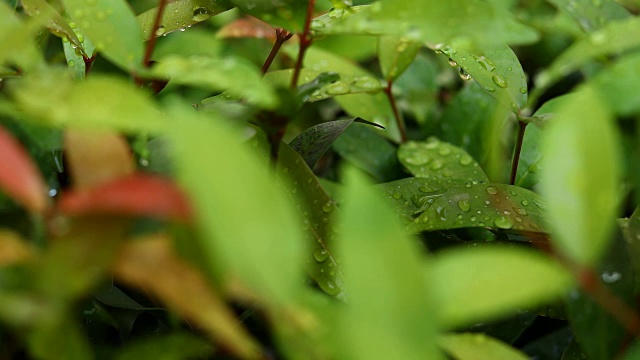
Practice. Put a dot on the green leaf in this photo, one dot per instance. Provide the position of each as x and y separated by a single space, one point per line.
74 56
57 25
177 346
484 283
59 337
610 40
530 165
367 150
371 107
379 260
418 88
395 55
494 206
288 14
179 15
54 99
496 69
344 85
112 27
466 120
440 161
469 346
16 39
312 143
436 22
234 240
239 77
581 172
618 83
592 15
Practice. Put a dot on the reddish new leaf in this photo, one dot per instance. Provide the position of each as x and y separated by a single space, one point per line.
19 176
136 195
248 27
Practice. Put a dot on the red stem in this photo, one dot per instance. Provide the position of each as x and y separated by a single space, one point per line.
396 113
281 36
146 61
305 42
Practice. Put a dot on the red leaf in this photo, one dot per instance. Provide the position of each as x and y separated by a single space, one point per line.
248 27
136 195
19 176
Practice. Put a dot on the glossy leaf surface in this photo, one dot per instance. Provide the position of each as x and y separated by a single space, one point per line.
618 83
395 55
315 141
495 206
467 346
112 27
582 183
592 15
485 283
440 161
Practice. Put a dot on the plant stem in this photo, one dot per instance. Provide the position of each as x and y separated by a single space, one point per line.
305 42
396 113
281 36
146 61
522 126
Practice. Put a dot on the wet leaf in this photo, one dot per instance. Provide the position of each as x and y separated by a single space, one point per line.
467 346
436 22
592 15
19 176
237 76
581 172
494 206
367 150
112 27
151 263
177 346
440 161
288 14
213 168
74 56
17 45
312 143
137 195
179 15
114 297
485 283
496 69
395 55
57 25
97 158
530 165
610 40
413 195
467 119
374 250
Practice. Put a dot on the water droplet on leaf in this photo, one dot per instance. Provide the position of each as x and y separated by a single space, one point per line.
500 81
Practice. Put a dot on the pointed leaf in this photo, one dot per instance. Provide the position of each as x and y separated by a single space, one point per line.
612 39
137 195
112 27
371 247
396 54
57 25
74 55
592 15
468 346
238 76
19 177
151 263
312 143
484 283
495 206
180 14
367 150
497 69
440 161
581 172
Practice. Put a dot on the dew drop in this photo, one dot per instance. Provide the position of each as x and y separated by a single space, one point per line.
487 64
336 13
520 211
321 255
523 90
611 277
492 190
453 63
465 160
464 205
444 150
200 14
437 165
327 207
161 30
500 81
71 63
329 287
338 89
503 222
539 204
464 75
397 195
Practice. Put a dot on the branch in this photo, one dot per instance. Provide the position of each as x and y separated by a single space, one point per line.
396 113
281 36
305 42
